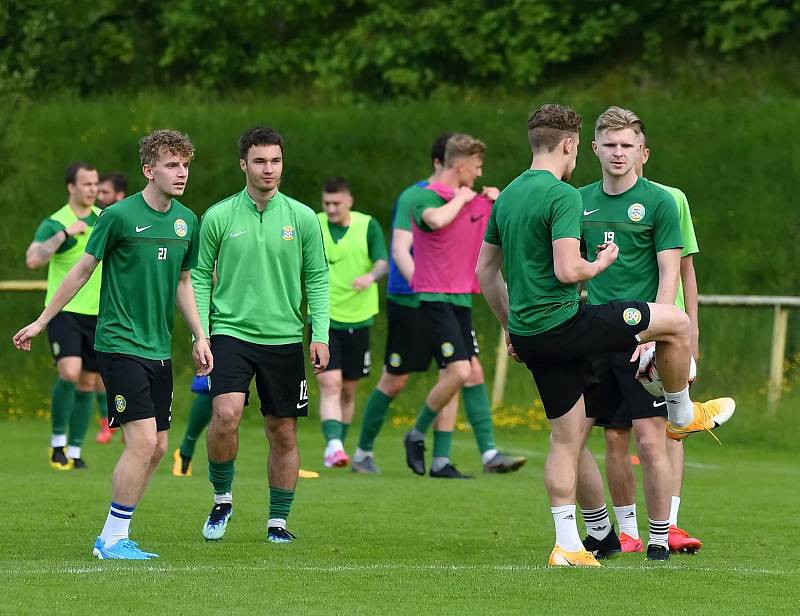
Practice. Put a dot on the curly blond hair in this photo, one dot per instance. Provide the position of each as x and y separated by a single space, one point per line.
550 124
161 142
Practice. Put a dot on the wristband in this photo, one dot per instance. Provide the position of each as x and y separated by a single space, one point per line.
66 235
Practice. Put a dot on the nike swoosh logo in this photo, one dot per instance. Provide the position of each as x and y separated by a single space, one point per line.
232 235
585 213
475 218
657 404
140 229
299 406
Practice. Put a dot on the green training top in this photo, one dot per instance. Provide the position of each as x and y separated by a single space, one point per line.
690 246
531 213
87 300
351 255
425 200
642 221
143 253
260 259
402 220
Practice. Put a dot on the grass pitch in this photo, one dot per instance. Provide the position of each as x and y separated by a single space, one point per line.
389 544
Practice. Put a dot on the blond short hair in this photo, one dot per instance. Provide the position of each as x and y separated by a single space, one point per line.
617 118
164 142
462 145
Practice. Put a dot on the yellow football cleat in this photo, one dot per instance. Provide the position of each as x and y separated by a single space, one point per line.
59 461
181 467
707 416
307 474
559 557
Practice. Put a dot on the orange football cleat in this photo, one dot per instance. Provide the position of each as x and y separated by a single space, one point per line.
680 541
629 544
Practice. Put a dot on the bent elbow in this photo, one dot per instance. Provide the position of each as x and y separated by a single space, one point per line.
566 277
32 263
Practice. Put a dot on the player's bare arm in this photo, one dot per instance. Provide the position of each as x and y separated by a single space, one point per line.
184 297
571 268
77 277
379 269
690 293
494 288
439 217
402 241
669 267
39 253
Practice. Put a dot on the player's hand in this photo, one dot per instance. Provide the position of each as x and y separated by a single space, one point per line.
491 192
510 349
606 255
320 354
22 339
77 227
203 359
363 282
466 194
645 354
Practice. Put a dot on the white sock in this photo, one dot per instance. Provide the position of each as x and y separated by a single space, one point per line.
567 536
626 518
223 498
487 455
273 522
673 510
659 533
58 440
360 455
680 410
73 452
117 524
439 463
598 525
334 445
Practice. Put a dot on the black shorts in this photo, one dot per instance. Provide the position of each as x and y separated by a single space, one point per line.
613 396
349 350
405 340
450 336
72 335
557 358
279 370
137 388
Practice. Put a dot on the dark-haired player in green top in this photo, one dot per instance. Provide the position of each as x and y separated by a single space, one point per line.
148 244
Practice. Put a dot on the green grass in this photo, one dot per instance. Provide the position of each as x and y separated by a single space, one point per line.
391 544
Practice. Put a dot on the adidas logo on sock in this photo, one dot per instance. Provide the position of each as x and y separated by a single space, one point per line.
569 517
630 515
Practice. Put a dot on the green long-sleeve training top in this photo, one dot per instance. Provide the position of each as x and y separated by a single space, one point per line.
261 258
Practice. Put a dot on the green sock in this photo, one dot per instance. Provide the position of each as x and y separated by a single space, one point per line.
280 501
80 417
442 443
221 476
345 430
374 415
63 401
102 404
199 417
479 414
332 429
425 419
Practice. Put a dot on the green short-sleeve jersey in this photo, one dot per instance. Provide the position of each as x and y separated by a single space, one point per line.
642 221
531 213
405 206
143 253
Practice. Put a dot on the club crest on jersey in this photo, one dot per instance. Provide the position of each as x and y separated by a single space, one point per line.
447 349
636 212
632 316
120 403
395 360
181 228
288 233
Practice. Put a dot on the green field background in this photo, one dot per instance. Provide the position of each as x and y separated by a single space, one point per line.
737 160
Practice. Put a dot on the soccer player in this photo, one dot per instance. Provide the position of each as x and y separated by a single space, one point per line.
148 244
59 242
263 243
534 233
619 470
113 187
199 417
357 259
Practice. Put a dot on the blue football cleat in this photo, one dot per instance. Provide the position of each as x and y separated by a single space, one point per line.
278 534
124 549
217 522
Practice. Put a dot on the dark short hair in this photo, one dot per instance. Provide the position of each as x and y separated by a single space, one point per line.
439 146
550 124
258 135
71 173
336 185
117 179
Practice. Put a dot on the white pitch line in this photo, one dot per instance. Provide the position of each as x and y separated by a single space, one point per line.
100 569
